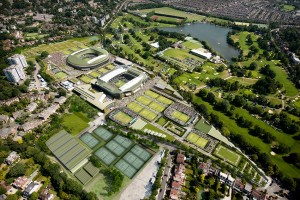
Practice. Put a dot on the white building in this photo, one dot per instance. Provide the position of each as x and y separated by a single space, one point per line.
18 59
14 73
202 53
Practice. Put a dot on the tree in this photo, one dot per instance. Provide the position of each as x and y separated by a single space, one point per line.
2 190
62 92
211 98
44 54
34 196
17 170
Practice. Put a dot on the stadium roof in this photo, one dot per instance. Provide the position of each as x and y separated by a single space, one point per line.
112 74
202 52
132 83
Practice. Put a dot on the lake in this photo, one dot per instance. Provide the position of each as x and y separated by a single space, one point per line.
215 36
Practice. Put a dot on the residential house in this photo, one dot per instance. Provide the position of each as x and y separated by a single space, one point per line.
32 187
180 158
204 167
174 194
21 182
257 195
31 107
238 186
46 195
222 176
4 119
5 132
229 180
247 189
12 157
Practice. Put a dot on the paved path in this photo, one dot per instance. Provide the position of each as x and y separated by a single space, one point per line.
37 81
164 184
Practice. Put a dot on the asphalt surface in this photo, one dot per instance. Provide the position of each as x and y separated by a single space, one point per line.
165 179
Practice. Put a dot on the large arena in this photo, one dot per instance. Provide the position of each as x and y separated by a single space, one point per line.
121 81
89 58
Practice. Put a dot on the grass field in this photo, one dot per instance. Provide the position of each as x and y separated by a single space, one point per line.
147 114
154 128
197 140
94 74
165 18
85 79
75 122
162 121
102 70
123 117
181 116
228 155
164 100
144 100
135 107
288 8
61 75
151 94
192 44
156 106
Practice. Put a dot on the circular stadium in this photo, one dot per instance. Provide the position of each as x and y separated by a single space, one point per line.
89 58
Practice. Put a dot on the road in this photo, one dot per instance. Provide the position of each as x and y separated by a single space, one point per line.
164 184
115 13
37 81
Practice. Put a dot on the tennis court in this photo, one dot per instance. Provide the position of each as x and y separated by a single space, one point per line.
140 152
89 140
136 162
125 142
83 176
123 117
105 155
151 94
125 168
181 116
135 107
114 147
144 100
197 140
228 155
103 133
164 100
147 114
156 106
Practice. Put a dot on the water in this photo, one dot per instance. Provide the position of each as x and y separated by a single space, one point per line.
215 36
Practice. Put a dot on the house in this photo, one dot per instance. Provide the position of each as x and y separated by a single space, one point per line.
5 132
204 167
238 186
180 158
46 195
3 197
247 189
32 187
12 157
229 180
4 119
21 182
17 114
257 195
30 125
222 176
176 185
60 100
31 107
174 194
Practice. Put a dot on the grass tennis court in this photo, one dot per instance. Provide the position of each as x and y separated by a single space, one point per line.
164 100
147 114
144 100
105 155
140 152
125 168
197 140
151 94
125 142
102 71
123 117
181 116
135 107
114 147
94 74
89 140
85 79
103 133
61 75
228 155
156 106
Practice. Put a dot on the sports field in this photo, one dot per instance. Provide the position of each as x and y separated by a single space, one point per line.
180 116
197 140
192 44
103 133
61 75
114 147
125 168
120 83
156 106
164 100
125 142
105 155
94 74
123 117
228 155
102 71
144 100
135 107
151 94
85 79
89 140
162 121
149 115
75 123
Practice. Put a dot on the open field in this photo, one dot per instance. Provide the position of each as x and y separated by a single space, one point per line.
151 94
197 140
162 121
123 117
159 18
288 8
75 122
180 116
227 155
156 106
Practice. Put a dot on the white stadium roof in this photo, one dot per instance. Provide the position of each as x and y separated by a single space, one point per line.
112 74
96 58
131 83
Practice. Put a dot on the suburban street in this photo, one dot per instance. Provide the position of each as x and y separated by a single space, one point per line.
165 179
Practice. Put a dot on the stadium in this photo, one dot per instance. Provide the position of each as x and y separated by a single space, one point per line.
89 58
120 82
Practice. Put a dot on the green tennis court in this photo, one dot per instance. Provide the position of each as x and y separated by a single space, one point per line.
135 106
125 168
197 140
151 94
156 106
192 137
125 142
123 117
103 133
89 140
164 100
147 114
114 147
144 100
181 116
105 155
136 162
140 152
228 155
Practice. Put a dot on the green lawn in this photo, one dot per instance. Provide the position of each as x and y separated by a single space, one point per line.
192 44
154 128
75 123
144 100
164 100
147 114
166 19
151 94
61 75
123 117
156 106
228 155
85 79
181 116
162 121
94 74
197 140
288 8
135 107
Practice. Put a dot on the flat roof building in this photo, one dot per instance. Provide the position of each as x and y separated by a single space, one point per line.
202 53
18 59
14 73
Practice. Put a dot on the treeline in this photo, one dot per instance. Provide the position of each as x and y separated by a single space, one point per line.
224 84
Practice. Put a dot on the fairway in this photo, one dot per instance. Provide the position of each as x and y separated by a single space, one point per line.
135 107
156 106
144 100
197 140
123 117
164 100
180 116
151 94
147 114
228 155
75 123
